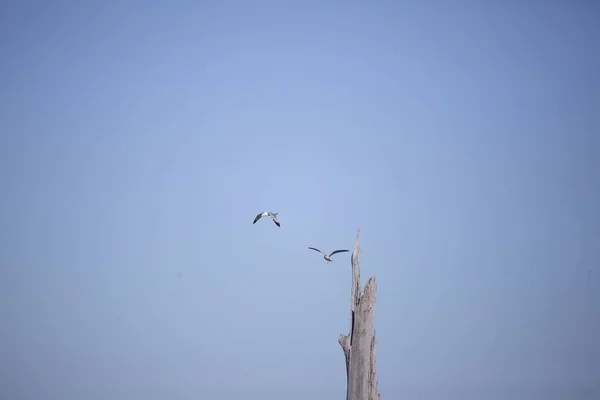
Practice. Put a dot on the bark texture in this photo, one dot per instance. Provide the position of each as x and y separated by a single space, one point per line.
359 345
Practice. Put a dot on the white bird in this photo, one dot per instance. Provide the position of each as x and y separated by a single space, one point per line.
328 257
268 214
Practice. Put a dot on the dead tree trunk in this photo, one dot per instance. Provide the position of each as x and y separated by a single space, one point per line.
359 345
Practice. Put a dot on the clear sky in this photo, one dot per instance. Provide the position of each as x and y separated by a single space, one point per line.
138 140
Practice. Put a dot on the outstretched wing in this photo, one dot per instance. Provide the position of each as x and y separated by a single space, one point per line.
312 248
257 218
276 222
337 251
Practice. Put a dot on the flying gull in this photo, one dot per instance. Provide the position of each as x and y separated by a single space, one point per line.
268 214
328 257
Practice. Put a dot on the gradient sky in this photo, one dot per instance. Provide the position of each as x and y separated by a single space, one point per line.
140 138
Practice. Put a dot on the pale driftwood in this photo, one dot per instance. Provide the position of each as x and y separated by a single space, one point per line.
359 345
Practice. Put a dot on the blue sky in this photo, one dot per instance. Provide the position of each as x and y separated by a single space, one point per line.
139 140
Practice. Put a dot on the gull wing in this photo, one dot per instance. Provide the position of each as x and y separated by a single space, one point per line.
312 248
337 251
257 218
276 222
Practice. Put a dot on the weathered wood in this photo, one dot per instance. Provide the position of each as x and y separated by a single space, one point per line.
359 345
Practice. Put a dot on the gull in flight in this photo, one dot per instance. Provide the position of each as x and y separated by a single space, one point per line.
328 257
268 214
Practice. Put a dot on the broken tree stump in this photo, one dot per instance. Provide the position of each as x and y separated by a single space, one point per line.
359 345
